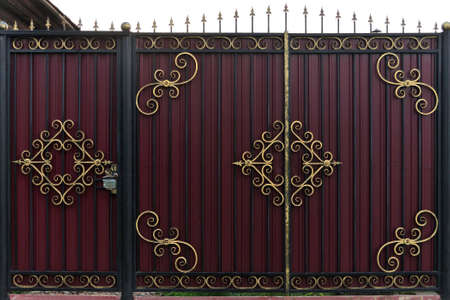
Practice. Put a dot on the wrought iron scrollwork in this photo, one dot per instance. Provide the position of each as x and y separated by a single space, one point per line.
212 282
349 282
402 83
172 242
40 164
413 242
261 164
313 164
172 83
72 281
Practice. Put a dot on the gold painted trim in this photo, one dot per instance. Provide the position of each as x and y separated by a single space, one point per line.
152 104
312 163
261 163
65 43
211 43
402 84
287 246
212 282
361 43
61 280
172 242
39 165
304 283
412 242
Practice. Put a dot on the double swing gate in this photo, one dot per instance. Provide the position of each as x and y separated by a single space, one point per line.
245 162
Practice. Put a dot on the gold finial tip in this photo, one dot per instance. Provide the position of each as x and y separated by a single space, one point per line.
446 26
125 26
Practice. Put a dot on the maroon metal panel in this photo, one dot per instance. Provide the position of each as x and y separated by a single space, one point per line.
326 240
80 87
238 95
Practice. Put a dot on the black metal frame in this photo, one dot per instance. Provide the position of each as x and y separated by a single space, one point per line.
126 147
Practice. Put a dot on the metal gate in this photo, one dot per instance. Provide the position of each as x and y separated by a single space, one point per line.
259 162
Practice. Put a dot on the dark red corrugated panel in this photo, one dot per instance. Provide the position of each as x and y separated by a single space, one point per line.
86 229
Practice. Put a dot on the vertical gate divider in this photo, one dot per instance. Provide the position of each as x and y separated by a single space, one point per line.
5 170
445 215
287 243
126 204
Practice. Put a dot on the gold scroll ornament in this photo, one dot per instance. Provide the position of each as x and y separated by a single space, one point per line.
172 83
40 164
413 242
261 164
172 242
313 164
63 280
414 83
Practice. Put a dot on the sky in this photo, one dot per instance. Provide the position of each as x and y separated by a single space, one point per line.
145 11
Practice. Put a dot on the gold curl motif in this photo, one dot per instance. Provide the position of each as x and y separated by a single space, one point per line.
312 163
213 282
63 280
412 242
63 43
172 242
33 43
261 164
361 43
40 163
402 84
348 282
214 42
174 81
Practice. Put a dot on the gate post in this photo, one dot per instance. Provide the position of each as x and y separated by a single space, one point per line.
126 168
4 167
445 214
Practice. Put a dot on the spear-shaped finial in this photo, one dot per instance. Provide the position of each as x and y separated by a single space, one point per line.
220 21
305 13
435 27
203 22
138 27
31 27
338 16
370 23
403 24
154 25
268 12
236 16
47 23
252 15
15 27
95 25
322 14
419 26
354 19
171 24
187 22
79 23
285 10
112 26
387 24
